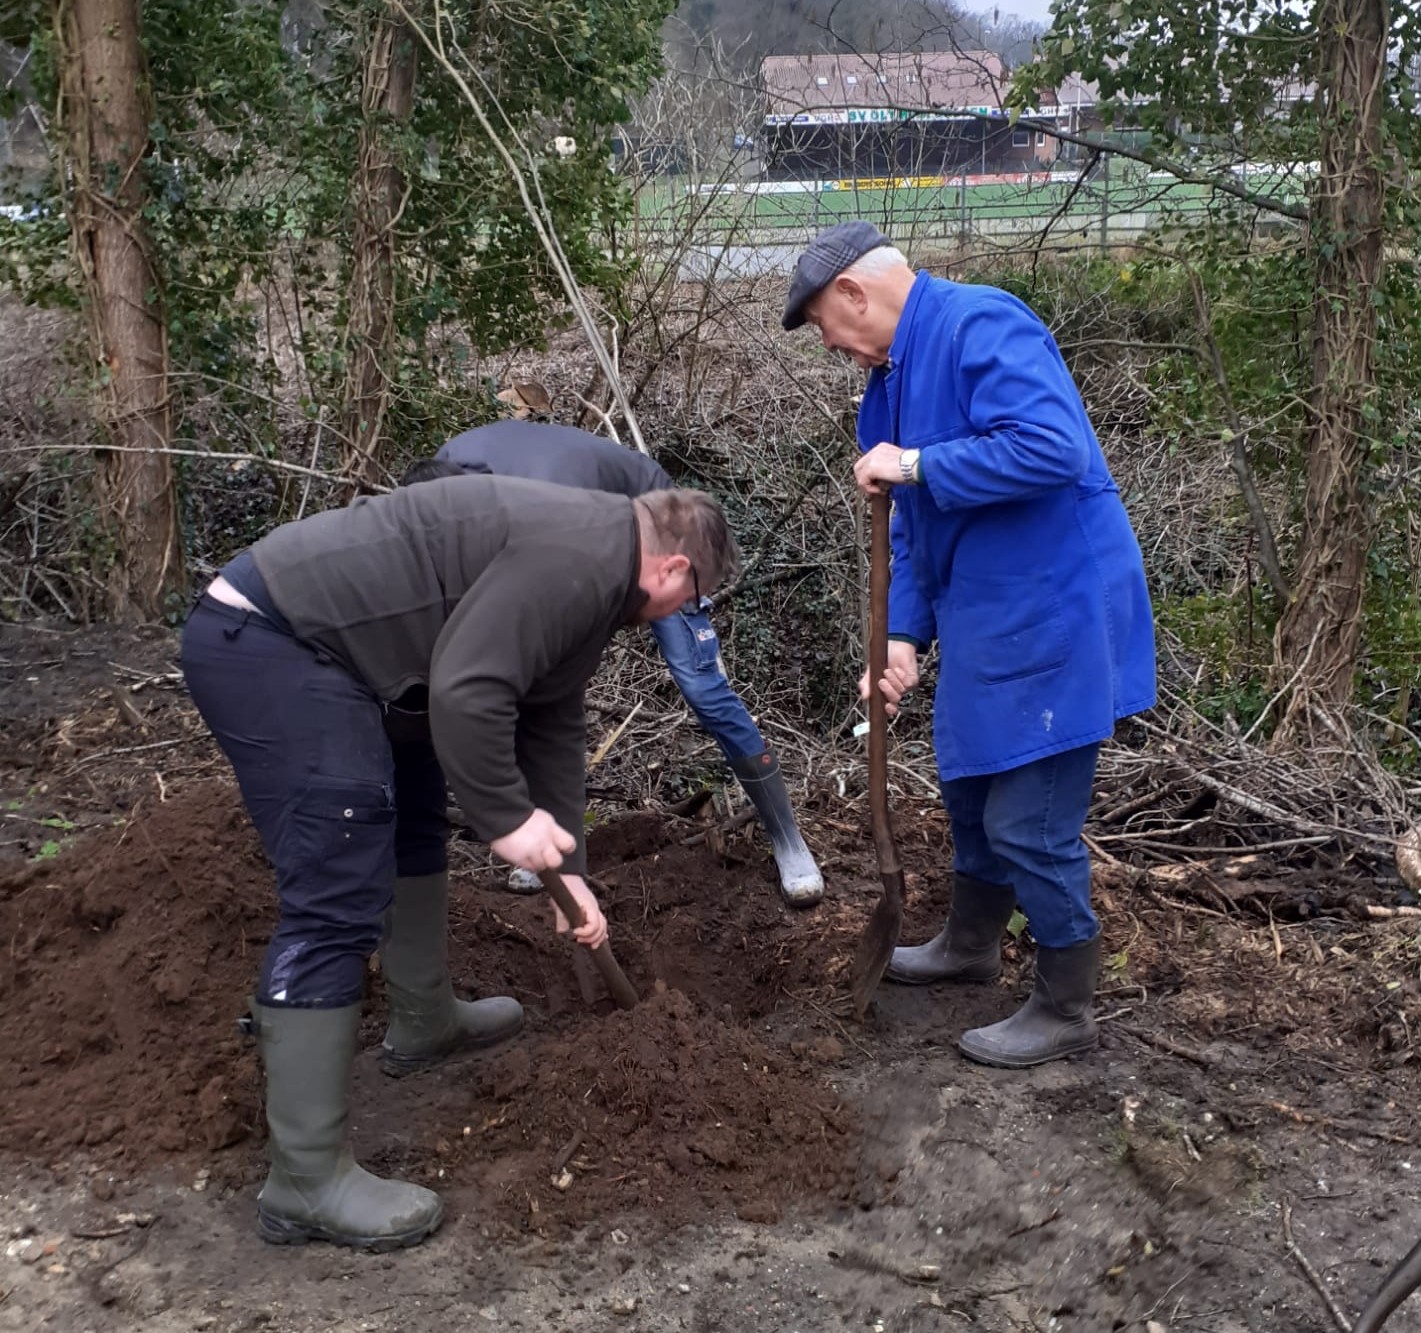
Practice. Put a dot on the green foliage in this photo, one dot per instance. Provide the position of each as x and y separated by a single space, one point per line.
1223 641
256 123
1186 71
1222 80
254 150
468 257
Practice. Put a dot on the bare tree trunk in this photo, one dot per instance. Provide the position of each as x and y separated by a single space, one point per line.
387 97
106 111
1319 635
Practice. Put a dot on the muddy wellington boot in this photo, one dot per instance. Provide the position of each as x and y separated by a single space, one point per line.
314 1190
801 884
427 1024
1055 1022
968 947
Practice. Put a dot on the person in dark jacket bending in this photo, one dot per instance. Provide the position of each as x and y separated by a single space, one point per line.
687 639
461 621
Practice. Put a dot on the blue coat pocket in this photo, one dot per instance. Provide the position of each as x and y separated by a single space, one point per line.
1006 627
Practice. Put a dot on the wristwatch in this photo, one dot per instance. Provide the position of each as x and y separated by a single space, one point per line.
908 466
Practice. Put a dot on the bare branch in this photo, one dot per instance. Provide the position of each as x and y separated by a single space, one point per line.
538 214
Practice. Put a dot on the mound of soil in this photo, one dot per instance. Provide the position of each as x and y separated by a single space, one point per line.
663 1107
129 957
131 954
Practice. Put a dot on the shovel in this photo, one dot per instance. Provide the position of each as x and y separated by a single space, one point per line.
880 936
622 990
1401 1282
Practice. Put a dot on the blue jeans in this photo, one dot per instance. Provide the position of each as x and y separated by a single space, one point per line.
689 644
1023 828
340 808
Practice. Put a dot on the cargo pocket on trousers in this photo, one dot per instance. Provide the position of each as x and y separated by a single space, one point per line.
342 837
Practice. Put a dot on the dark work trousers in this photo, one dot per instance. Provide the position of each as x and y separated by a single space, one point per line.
320 778
421 795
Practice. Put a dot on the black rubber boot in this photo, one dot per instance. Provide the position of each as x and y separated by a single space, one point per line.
1056 1020
801 884
427 1024
314 1190
968 947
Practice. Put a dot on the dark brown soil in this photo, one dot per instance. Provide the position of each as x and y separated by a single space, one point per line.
732 1153
130 954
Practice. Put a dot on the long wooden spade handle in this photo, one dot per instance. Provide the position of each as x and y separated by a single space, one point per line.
623 992
880 936
879 559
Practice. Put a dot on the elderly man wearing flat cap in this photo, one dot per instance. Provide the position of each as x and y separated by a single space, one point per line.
1011 550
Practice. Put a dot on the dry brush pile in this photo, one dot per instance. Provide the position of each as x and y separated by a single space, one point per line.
727 401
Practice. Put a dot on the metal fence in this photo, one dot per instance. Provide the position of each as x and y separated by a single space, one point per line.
1115 203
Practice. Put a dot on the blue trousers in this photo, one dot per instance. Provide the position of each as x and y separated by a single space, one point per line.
340 808
688 642
1023 828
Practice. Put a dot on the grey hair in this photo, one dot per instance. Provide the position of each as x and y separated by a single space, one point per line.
876 261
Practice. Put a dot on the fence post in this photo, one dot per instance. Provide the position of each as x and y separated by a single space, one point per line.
1105 204
962 222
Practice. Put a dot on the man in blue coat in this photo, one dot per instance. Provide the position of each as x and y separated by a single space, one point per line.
1011 550
540 451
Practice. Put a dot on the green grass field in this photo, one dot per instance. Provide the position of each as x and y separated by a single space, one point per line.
1008 206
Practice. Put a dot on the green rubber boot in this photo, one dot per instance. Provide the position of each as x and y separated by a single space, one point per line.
314 1190
427 1024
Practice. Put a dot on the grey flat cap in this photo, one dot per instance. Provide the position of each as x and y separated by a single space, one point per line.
828 255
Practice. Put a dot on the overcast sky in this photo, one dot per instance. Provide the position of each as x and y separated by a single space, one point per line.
1037 10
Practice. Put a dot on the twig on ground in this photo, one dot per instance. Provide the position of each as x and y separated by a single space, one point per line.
127 749
611 740
745 816
1329 1122
1311 1273
1168 1045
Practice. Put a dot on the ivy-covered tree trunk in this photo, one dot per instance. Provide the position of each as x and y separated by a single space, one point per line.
387 98
1319 635
106 107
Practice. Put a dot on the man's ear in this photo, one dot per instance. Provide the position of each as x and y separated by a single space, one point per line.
852 290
